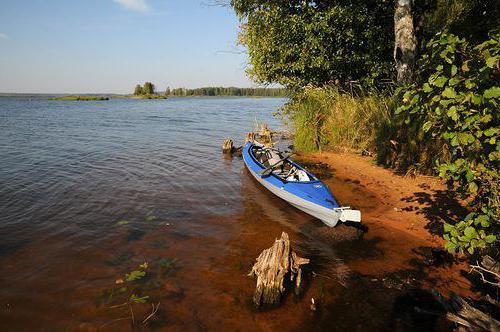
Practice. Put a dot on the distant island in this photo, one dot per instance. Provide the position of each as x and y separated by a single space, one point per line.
147 91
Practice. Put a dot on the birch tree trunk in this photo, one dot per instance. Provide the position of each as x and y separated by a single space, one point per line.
405 46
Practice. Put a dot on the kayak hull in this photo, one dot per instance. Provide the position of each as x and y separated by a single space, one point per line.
312 197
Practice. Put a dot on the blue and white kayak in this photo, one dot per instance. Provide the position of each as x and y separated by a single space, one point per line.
294 184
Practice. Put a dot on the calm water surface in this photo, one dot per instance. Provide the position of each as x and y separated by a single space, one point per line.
91 190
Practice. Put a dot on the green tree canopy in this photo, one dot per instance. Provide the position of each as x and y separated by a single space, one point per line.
296 43
138 90
148 88
319 42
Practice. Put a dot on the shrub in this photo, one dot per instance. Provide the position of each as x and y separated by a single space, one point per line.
457 101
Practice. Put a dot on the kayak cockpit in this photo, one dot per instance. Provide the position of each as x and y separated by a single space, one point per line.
282 168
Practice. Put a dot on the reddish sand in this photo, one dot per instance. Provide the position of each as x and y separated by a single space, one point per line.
406 212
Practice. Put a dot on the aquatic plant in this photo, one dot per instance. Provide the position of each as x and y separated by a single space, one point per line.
132 294
151 218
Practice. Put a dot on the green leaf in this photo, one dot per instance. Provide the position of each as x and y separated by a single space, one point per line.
490 238
492 61
427 88
134 275
451 247
440 81
454 81
452 113
470 84
470 232
453 70
493 92
448 227
490 132
449 93
473 187
427 126
476 100
470 250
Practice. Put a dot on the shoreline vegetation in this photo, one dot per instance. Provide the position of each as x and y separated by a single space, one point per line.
425 102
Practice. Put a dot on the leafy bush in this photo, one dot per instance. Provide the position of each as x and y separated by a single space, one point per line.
326 117
457 101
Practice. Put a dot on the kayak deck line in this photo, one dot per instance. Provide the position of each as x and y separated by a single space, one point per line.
294 184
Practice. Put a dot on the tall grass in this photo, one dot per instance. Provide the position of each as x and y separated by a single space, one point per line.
327 118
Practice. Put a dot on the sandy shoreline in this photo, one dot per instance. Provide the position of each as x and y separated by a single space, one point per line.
403 214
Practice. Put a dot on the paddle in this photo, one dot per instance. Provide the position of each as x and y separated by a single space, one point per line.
269 169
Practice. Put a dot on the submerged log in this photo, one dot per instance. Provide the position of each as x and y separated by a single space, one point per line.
227 146
272 267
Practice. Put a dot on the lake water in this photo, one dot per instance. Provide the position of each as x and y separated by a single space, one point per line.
91 190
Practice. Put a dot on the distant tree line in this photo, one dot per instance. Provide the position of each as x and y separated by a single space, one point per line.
227 91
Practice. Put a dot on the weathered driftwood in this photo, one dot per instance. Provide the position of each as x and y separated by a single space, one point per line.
272 267
227 146
489 270
465 315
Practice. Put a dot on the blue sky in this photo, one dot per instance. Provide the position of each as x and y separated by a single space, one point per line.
85 46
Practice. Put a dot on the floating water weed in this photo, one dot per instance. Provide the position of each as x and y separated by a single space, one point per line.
134 275
122 222
151 218
131 294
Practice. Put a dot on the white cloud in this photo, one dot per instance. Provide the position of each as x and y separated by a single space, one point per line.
135 5
3 35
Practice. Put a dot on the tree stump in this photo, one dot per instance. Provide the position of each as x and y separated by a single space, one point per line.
227 146
250 137
272 267
265 134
